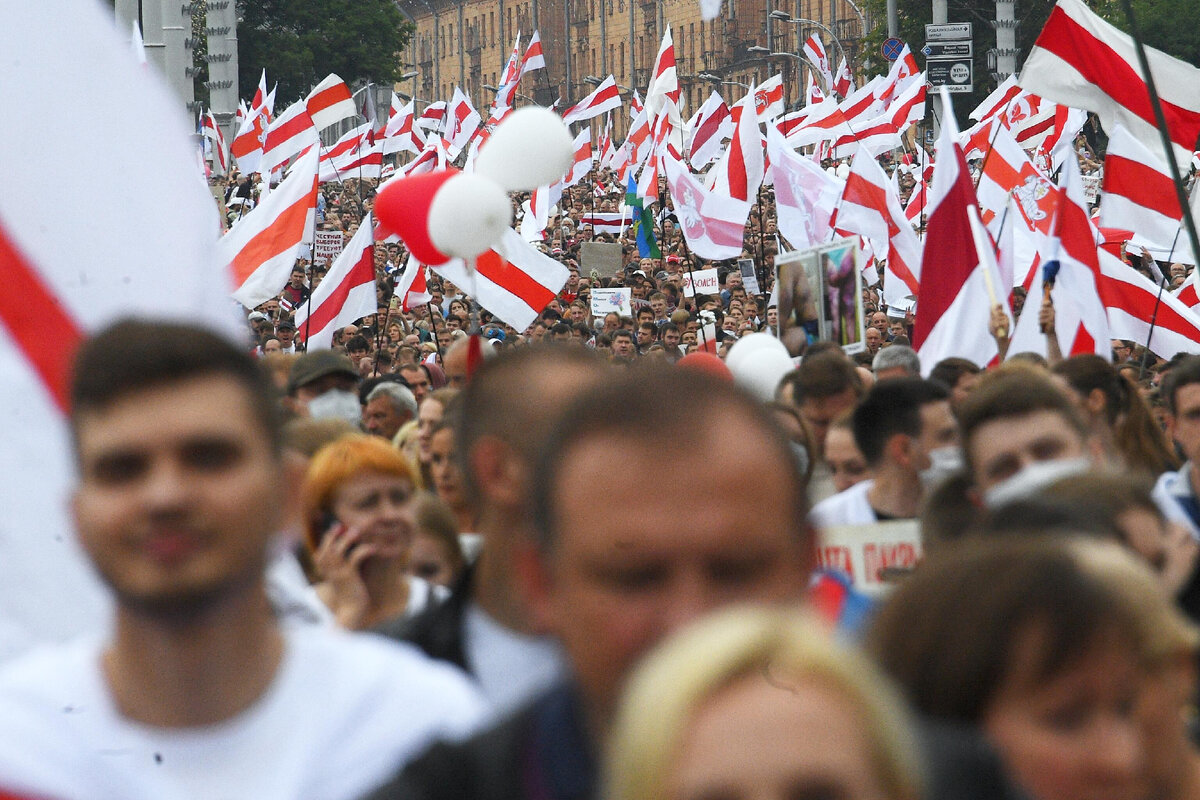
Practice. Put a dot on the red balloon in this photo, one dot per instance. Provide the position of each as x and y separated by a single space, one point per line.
706 363
403 207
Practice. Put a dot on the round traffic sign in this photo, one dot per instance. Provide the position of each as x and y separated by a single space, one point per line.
892 48
960 73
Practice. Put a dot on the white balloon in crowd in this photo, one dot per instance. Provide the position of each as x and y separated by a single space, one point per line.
468 216
531 148
758 362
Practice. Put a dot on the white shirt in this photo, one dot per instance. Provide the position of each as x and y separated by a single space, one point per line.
343 713
850 507
510 667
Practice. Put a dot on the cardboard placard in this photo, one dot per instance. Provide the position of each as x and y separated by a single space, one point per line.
1091 187
749 276
706 282
603 257
328 246
619 300
867 553
820 291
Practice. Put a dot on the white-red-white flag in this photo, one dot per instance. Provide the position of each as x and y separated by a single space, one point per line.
664 81
871 209
330 102
212 132
712 222
814 50
346 293
604 98
247 144
707 130
534 57
80 249
401 135
290 132
513 280
1138 194
843 82
1133 304
961 285
610 222
433 116
1082 61
413 286
740 171
260 250
768 98
462 122
805 195
583 158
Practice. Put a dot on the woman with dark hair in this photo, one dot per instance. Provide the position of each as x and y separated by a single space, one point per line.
1117 415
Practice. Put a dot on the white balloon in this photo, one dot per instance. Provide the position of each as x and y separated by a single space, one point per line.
752 343
760 372
468 216
531 148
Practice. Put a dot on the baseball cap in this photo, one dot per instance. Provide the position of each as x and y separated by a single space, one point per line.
317 364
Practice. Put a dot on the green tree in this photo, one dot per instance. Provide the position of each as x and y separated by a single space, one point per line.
299 42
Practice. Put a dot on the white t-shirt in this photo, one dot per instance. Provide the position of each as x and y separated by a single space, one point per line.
510 667
344 712
850 507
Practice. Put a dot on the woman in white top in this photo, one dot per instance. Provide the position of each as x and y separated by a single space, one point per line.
358 498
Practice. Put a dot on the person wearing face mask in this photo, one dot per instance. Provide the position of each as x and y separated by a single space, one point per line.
909 438
323 385
1020 433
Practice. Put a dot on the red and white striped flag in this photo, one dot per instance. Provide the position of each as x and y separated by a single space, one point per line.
462 122
1080 318
330 102
79 250
534 57
843 82
814 50
1009 172
583 158
605 149
400 135
707 130
768 98
740 172
604 98
603 221
513 280
1139 194
961 285
871 209
413 286
260 250
711 221
247 144
1189 292
664 82
212 132
346 293
1132 302
805 196
918 204
291 132
1082 61
433 118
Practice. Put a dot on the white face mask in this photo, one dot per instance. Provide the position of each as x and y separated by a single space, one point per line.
336 404
943 462
1033 479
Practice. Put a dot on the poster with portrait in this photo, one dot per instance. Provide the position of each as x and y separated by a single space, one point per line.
820 296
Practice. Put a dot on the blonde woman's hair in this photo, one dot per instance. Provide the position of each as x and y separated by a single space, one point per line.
692 666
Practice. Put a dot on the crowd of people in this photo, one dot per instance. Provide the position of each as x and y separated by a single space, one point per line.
447 558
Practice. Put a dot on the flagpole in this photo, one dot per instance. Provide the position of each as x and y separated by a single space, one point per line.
762 231
1157 302
433 322
1180 192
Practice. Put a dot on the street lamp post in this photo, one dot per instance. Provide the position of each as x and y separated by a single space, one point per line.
492 88
783 16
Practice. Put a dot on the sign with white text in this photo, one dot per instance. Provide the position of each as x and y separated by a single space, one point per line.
871 556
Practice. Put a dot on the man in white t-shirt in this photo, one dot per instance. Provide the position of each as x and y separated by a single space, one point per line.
909 438
198 691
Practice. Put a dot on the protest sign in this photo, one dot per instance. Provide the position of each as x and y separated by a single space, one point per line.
749 276
706 282
328 246
619 300
603 257
871 556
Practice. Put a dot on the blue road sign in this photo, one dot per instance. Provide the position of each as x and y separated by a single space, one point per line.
892 48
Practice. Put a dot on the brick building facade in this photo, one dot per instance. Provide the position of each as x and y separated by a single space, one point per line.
466 42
